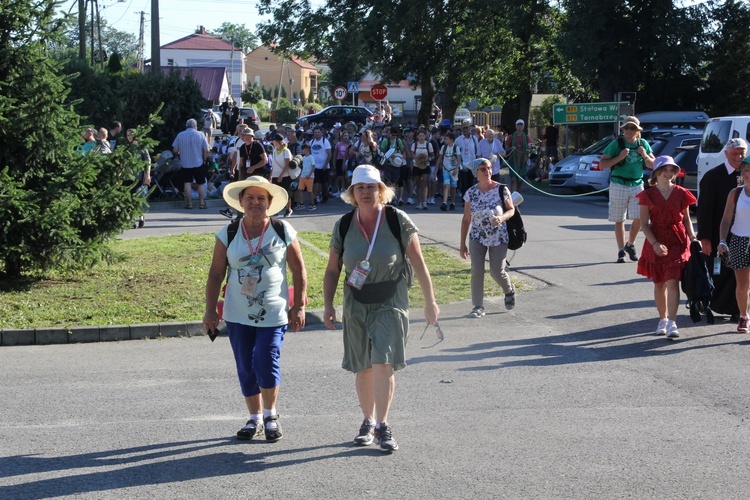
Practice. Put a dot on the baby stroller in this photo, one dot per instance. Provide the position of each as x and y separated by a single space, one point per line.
164 174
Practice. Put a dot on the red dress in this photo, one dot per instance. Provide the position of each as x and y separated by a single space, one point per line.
665 219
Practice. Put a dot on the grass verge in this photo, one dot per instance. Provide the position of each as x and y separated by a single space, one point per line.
162 279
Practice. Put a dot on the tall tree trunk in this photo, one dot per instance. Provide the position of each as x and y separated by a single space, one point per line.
428 99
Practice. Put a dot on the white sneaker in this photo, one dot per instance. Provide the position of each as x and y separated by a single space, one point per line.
662 328
431 201
410 201
672 332
300 207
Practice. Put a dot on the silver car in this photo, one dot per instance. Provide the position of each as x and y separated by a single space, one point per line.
590 176
564 172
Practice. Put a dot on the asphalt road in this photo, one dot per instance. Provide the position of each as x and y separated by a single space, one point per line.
569 395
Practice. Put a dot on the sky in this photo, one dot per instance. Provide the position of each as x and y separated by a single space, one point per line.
178 18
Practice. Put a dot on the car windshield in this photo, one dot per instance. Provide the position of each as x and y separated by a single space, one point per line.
598 146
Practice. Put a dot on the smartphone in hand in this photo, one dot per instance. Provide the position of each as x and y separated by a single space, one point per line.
212 333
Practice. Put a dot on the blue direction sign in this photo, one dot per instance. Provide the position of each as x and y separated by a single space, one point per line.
352 87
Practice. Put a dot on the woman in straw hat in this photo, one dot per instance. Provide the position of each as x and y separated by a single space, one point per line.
376 297
256 307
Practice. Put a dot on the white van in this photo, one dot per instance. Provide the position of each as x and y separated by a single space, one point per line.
717 133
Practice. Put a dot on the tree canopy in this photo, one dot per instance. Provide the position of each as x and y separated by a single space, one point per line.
238 34
500 51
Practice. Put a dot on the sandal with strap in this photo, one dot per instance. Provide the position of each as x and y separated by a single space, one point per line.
188 207
252 428
272 435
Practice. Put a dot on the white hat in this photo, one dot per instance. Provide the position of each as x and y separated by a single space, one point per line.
397 160
520 121
278 194
366 174
737 142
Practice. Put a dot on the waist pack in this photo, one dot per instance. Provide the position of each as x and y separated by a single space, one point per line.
376 293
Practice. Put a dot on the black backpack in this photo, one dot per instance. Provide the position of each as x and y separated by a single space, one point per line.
393 224
516 232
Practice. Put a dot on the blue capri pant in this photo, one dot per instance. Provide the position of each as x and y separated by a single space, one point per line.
256 352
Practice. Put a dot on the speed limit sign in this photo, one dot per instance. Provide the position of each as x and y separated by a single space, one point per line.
339 93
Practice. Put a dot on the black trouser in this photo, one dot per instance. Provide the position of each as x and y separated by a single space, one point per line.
465 180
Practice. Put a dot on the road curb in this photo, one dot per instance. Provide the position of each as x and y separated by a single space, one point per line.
10 337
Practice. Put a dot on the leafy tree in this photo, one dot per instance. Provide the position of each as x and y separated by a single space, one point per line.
57 208
252 94
729 60
131 97
427 41
238 34
624 50
113 41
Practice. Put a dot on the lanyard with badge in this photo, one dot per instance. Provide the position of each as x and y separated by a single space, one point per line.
250 282
360 272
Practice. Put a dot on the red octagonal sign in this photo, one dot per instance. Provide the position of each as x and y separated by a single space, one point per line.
379 92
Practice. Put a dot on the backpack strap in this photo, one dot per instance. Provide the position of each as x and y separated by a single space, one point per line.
391 218
395 226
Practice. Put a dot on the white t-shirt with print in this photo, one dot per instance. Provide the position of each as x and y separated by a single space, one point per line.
269 304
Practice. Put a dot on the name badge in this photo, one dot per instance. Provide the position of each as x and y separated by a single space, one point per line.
248 286
359 275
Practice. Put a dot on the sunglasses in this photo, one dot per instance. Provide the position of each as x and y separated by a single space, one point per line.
438 332
630 127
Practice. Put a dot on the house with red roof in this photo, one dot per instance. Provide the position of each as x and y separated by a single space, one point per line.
203 50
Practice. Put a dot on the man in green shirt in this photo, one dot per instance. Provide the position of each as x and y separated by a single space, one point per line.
626 156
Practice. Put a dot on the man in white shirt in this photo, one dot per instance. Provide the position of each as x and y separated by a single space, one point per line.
467 145
320 149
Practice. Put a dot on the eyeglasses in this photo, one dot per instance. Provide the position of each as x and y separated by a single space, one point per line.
630 127
438 332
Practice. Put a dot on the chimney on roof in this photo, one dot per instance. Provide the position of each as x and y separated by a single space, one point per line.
202 30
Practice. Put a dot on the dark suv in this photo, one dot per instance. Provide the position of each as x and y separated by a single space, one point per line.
251 118
337 114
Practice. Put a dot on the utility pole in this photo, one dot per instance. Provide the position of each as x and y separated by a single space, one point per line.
82 29
99 35
231 67
92 33
141 43
291 80
155 44
281 76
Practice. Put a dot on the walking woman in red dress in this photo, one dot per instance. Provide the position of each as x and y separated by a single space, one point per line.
665 221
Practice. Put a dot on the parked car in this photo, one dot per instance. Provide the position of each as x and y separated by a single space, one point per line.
564 172
337 114
251 118
687 158
590 176
462 117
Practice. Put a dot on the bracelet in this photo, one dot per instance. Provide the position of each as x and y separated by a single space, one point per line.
723 242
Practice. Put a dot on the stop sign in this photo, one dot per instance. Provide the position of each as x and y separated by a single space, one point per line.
379 92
